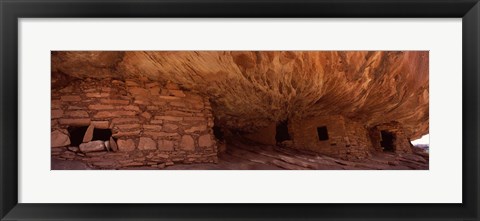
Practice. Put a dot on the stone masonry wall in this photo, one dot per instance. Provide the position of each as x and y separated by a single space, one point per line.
347 139
153 125
401 143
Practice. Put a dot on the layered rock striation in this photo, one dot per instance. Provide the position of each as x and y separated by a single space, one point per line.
251 89
357 97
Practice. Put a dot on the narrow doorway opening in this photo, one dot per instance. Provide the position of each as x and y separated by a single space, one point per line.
387 141
322 133
217 132
282 132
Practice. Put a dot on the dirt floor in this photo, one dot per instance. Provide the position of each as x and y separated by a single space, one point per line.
240 156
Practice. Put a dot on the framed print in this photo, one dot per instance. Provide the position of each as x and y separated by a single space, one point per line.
239 110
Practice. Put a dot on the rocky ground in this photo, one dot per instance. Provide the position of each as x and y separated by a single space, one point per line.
240 156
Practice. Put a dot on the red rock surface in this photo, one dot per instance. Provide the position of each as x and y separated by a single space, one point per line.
249 156
251 89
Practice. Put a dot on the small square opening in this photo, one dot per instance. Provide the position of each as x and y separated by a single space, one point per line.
322 133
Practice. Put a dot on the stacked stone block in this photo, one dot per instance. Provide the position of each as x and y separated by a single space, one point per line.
400 142
347 139
152 124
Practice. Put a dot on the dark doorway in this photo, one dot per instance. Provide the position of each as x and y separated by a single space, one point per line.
282 132
387 141
217 132
77 133
322 133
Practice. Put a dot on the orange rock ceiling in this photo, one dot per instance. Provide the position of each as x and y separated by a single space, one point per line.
250 89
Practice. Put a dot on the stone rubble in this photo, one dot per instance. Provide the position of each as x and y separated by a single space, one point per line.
251 156
88 134
59 139
92 146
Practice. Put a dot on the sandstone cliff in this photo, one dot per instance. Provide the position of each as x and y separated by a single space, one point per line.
251 89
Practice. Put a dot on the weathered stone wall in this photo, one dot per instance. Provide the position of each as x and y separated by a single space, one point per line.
346 139
401 143
152 124
252 88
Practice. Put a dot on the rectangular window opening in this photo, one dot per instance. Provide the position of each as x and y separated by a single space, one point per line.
322 133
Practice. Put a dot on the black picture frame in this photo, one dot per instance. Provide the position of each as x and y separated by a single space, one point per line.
11 11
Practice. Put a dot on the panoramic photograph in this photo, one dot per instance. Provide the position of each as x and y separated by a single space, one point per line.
239 110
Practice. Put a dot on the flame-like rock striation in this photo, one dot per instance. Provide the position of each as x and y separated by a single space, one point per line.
251 89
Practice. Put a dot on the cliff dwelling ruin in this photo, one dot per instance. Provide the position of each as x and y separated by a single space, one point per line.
239 109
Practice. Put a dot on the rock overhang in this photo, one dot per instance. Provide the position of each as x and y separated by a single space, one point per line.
251 89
